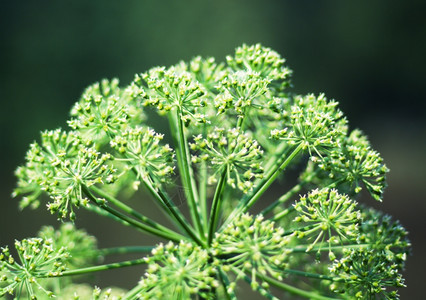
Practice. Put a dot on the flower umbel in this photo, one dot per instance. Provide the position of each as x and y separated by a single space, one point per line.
329 217
314 123
233 153
141 149
367 275
236 131
254 246
37 259
177 272
174 89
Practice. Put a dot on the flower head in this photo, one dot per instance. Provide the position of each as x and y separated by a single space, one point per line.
79 244
356 164
367 274
328 217
252 245
173 89
56 145
178 272
104 110
313 123
268 63
141 149
205 71
61 166
384 235
239 90
231 152
37 259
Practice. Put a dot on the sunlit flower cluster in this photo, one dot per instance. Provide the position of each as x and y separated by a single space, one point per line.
262 60
254 246
37 258
231 153
236 131
357 165
367 274
327 217
102 112
178 272
142 151
61 166
314 123
169 89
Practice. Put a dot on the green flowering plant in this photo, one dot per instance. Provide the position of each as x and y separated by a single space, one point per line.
236 128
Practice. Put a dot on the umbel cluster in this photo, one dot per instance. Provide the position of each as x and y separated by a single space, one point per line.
235 131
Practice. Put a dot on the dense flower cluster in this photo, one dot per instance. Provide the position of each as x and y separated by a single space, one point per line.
142 151
232 153
180 270
232 132
254 246
37 258
328 217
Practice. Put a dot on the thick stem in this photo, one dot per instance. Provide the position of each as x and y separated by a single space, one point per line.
216 204
165 202
167 234
283 198
128 209
245 205
188 181
114 250
103 267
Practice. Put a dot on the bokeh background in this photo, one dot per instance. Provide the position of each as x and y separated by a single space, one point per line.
368 55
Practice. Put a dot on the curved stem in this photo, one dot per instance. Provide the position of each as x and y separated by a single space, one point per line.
309 275
202 189
283 213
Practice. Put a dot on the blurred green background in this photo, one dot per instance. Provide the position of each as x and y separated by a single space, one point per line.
368 55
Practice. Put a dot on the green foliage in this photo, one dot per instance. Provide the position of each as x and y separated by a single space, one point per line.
234 129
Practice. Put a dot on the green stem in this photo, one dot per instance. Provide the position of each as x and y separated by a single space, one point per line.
202 189
216 204
309 275
114 250
133 293
188 181
326 247
103 267
167 234
262 186
229 293
282 213
283 198
166 202
294 290
128 209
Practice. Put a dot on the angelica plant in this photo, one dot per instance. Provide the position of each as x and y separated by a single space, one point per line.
235 130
